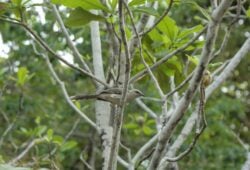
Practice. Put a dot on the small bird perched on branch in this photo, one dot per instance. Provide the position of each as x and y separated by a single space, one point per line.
206 79
112 95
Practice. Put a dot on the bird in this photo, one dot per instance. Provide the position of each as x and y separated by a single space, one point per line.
112 95
206 79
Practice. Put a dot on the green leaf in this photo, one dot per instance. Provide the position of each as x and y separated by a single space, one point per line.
68 145
147 130
155 35
169 27
17 2
137 2
84 4
3 7
80 17
193 59
24 130
50 133
78 104
168 71
38 120
174 61
130 126
40 130
248 12
58 139
22 76
190 31
113 4
1 159
147 10
150 122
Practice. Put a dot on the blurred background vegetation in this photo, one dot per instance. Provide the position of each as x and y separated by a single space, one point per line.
32 105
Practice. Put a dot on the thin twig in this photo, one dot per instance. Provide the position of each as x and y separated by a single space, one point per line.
63 88
67 36
188 150
65 93
156 84
85 162
180 85
47 48
27 149
119 115
146 108
159 19
144 148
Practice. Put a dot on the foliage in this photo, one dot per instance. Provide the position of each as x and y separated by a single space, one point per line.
32 105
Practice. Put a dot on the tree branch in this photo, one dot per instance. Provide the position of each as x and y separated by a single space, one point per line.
196 79
159 19
67 36
164 59
47 48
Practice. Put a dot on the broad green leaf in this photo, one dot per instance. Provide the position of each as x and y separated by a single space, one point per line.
184 33
40 130
137 2
24 130
113 4
168 71
80 17
137 131
166 40
22 75
17 2
68 145
169 27
58 139
155 35
130 126
193 59
84 4
147 10
174 61
38 120
50 133
3 7
248 12
1 159
78 104
147 130
150 122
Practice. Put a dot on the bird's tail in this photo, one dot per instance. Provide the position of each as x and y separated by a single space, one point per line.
84 96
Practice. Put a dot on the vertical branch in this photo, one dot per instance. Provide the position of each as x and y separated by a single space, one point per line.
156 84
124 80
102 109
195 81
